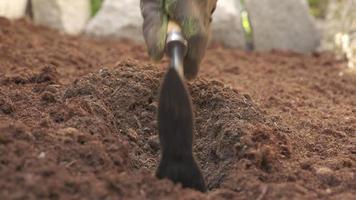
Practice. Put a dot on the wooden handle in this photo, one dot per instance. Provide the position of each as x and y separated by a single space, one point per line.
173 27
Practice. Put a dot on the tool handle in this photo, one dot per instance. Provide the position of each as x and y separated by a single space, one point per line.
173 27
176 47
174 34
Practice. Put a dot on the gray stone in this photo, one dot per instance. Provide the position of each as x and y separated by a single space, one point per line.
118 19
226 26
154 143
339 33
283 24
66 15
340 18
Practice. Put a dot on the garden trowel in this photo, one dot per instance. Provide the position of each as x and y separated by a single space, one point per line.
175 118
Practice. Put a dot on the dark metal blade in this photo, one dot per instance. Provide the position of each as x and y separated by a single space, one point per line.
175 117
175 124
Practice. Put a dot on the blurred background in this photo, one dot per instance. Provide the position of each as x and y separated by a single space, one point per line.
302 26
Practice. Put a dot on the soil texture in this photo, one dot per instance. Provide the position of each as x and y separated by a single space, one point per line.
78 121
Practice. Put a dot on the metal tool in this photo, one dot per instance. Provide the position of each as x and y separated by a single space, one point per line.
175 118
176 47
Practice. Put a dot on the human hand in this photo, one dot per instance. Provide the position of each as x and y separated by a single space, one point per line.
194 17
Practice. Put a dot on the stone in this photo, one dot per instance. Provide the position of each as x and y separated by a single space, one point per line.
13 9
327 176
226 26
66 15
69 131
132 134
154 143
323 170
339 19
117 19
283 25
340 30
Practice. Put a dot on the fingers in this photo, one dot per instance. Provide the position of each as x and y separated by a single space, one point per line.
154 27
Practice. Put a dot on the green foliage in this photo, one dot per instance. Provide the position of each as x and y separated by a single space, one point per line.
95 6
318 7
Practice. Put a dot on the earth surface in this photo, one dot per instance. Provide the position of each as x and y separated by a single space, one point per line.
78 121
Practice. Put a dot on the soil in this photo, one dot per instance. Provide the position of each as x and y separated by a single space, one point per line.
78 121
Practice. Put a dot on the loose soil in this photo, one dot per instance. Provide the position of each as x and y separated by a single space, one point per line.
78 121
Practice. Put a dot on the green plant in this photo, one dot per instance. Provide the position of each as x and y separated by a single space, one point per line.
318 7
95 6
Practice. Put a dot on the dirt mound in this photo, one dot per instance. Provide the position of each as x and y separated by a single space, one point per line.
105 124
78 121
314 97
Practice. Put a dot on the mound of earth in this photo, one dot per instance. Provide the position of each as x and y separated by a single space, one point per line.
78 121
99 133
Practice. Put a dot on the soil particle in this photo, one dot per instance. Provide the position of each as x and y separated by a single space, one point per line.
6 105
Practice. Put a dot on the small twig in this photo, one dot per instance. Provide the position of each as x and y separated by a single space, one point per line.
115 91
264 189
70 163
138 122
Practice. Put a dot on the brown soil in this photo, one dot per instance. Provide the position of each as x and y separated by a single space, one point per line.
77 121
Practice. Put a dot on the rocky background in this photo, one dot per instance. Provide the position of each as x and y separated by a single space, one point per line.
297 25
340 29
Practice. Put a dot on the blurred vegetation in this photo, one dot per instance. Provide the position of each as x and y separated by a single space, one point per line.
95 6
318 8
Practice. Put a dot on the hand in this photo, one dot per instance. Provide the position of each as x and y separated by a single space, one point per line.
194 16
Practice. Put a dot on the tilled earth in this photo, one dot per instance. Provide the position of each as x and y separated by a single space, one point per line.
78 121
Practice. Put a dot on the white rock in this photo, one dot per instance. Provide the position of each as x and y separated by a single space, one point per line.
226 26
340 30
70 16
118 19
283 24
340 18
13 8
